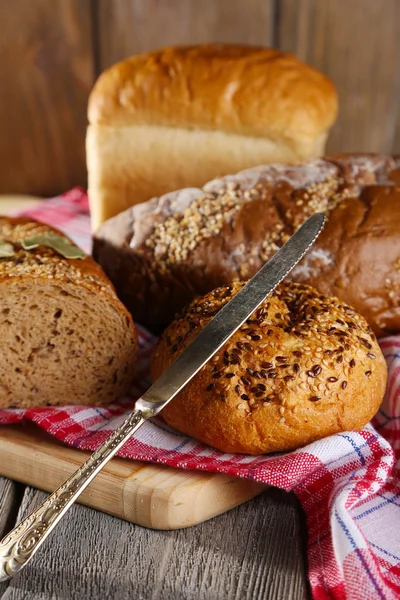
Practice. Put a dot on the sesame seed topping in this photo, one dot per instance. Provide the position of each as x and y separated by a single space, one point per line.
43 262
259 364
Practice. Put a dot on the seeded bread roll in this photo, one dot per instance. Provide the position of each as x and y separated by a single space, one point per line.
302 368
65 338
180 116
162 253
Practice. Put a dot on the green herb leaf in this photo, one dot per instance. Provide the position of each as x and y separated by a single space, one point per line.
6 249
56 242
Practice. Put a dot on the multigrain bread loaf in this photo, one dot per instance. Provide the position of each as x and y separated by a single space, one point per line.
301 368
162 253
181 116
65 338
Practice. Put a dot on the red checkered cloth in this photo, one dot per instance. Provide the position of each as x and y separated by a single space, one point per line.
348 483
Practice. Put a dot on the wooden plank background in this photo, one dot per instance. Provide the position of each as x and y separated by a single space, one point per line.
51 52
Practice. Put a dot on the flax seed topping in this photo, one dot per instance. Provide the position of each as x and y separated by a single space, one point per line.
304 315
299 366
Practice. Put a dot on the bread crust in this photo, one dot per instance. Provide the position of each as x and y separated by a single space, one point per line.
180 116
303 367
160 254
232 88
57 300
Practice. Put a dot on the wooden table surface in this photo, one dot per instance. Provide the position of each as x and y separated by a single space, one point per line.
255 551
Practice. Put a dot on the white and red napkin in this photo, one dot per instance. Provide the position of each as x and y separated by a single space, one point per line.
348 484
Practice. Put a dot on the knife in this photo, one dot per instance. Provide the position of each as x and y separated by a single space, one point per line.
18 547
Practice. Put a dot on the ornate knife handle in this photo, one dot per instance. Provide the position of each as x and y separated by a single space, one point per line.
18 547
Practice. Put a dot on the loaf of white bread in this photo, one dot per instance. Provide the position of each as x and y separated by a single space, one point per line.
182 116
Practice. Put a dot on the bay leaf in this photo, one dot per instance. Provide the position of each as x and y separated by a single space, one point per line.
57 242
6 249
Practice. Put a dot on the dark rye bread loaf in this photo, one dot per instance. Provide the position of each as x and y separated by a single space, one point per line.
65 338
162 253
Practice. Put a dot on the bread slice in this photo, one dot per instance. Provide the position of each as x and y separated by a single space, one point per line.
65 338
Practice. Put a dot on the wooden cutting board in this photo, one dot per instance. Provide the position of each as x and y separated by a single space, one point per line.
150 495
154 496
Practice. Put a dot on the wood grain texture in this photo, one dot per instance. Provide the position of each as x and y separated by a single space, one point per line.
46 75
396 141
251 552
8 501
152 495
10 496
128 27
357 44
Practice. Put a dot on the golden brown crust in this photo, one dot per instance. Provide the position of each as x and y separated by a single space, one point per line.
237 89
302 368
222 107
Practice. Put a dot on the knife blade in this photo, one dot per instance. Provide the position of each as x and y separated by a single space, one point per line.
229 319
19 546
